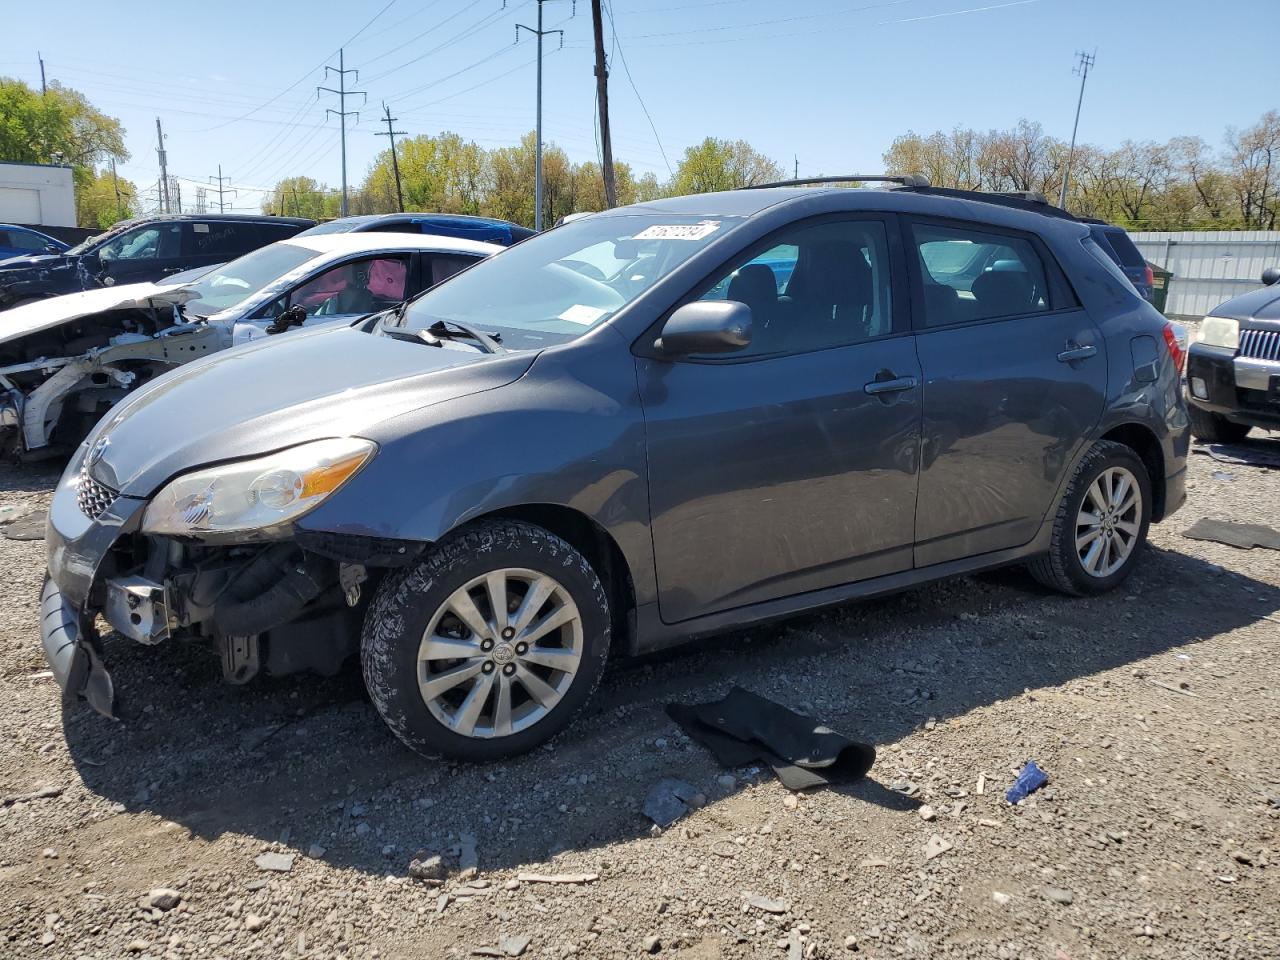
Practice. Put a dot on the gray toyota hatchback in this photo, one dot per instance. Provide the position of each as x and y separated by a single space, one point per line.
653 423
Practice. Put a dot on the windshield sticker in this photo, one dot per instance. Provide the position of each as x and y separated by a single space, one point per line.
581 313
200 227
679 231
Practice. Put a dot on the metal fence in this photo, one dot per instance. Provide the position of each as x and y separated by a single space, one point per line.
1209 266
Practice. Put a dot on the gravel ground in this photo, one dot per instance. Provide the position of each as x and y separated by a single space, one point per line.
1153 709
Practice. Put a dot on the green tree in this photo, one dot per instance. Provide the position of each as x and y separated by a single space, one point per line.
722 165
443 174
60 126
302 197
98 204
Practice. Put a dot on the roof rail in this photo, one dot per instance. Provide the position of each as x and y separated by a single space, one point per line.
912 180
1030 200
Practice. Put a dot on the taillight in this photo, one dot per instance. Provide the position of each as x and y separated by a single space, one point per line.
1175 349
1150 276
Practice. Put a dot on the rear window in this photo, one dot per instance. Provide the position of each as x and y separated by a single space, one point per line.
222 239
1124 249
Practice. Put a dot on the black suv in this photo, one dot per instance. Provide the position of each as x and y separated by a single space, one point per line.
460 225
1233 367
145 249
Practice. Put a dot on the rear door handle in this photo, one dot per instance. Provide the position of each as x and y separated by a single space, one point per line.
1077 353
876 387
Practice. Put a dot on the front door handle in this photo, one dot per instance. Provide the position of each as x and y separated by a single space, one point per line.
876 387
1077 353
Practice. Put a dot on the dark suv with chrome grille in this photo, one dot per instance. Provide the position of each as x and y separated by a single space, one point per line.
1233 367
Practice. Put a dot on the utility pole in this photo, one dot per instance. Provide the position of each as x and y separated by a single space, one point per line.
115 182
537 153
1082 68
164 175
43 88
220 180
795 173
395 164
342 113
602 97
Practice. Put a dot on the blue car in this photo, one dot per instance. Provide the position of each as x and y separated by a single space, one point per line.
16 241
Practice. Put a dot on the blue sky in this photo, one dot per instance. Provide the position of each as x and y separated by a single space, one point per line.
827 83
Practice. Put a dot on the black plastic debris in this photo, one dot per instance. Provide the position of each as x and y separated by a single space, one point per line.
1246 536
1247 454
670 799
745 728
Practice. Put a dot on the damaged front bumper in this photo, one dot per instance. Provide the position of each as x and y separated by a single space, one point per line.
77 546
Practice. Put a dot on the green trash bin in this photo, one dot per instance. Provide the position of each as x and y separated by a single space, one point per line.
1160 278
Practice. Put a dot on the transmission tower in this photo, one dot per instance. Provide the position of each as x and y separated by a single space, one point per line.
342 113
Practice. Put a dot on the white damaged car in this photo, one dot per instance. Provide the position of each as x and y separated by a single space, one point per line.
65 361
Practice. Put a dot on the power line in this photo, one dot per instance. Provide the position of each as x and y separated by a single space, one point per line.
626 69
342 112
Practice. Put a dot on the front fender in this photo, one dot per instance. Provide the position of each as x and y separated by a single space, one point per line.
569 433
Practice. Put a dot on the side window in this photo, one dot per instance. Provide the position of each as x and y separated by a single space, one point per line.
355 287
25 240
814 287
971 275
271 232
223 240
438 267
155 242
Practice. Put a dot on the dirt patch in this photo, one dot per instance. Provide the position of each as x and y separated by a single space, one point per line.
1153 709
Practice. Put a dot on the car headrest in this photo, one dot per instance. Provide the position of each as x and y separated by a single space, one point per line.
752 285
1003 292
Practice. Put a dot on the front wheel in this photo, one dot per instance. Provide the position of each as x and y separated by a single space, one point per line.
1101 524
489 645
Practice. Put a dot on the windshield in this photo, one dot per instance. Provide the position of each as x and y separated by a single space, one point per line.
559 285
341 225
225 286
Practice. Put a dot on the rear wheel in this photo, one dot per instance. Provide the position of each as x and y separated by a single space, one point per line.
1101 524
1212 428
489 645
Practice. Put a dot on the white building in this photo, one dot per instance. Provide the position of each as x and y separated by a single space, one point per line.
37 194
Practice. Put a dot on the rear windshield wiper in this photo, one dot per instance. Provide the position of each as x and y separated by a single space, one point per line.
453 328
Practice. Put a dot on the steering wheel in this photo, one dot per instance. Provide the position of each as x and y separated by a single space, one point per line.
587 290
586 269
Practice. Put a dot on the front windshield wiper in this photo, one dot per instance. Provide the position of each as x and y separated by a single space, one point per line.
453 328
389 329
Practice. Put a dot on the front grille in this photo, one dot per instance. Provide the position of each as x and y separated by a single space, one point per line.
92 497
1260 344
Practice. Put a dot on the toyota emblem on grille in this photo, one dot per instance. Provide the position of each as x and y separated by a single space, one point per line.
97 452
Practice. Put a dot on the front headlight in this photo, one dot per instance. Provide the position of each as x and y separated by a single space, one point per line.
1219 332
260 495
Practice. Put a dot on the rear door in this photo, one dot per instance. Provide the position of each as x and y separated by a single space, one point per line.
1014 377
218 241
789 466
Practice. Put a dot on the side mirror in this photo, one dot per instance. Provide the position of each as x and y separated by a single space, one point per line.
52 248
706 326
1270 275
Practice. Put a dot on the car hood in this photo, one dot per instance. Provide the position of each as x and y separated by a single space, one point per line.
1261 304
40 260
279 392
32 318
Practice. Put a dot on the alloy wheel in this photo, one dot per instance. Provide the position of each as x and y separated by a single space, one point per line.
500 653
1109 522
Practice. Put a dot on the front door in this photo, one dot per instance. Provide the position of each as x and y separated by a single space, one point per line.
1015 375
146 253
790 466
